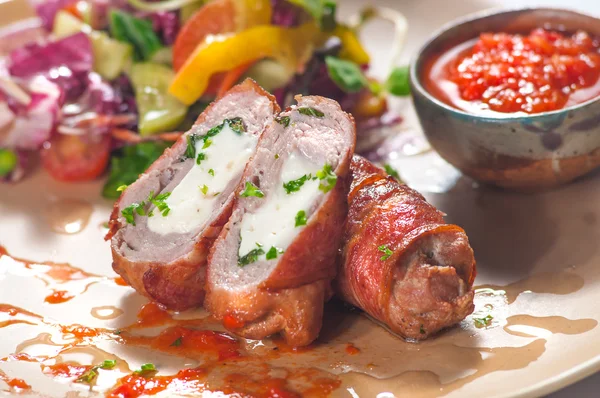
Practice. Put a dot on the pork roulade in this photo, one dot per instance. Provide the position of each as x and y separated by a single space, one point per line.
400 262
271 268
164 223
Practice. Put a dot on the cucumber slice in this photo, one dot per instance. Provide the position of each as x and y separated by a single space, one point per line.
66 24
163 56
110 56
158 110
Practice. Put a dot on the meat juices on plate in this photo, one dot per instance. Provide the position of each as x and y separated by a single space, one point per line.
400 262
164 224
271 268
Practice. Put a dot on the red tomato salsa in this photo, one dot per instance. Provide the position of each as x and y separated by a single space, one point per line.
508 73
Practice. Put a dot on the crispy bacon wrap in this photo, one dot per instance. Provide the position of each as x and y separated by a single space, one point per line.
400 262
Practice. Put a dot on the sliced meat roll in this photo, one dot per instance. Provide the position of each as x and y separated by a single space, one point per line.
401 262
164 224
270 269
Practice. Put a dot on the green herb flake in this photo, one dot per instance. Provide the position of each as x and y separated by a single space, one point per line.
160 202
251 256
273 252
129 212
276 156
387 253
252 190
190 150
311 112
283 120
201 156
117 331
422 330
88 377
295 185
177 342
121 188
391 171
300 218
483 322
398 83
236 124
204 189
347 75
8 161
211 172
108 364
146 369
327 177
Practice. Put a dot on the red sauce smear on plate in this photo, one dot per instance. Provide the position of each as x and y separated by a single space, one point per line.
509 73
351 349
227 367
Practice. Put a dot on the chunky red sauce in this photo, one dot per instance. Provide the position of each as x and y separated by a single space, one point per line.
351 349
509 73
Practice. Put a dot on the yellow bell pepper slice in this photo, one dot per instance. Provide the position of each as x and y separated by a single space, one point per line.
351 50
292 47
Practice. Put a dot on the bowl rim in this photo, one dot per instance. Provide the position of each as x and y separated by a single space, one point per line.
472 17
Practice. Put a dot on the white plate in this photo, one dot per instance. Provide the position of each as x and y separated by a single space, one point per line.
539 254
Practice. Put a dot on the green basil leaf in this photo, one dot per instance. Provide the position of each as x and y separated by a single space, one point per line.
346 74
398 82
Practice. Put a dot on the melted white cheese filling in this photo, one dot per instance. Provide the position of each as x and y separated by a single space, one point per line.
190 206
274 223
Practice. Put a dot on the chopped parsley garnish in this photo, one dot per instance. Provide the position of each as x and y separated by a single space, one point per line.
129 212
190 150
327 177
204 189
483 322
90 376
387 252
252 256
311 112
177 342
159 202
147 369
421 330
211 172
283 120
236 124
391 171
121 188
273 252
201 156
300 218
252 190
139 208
295 185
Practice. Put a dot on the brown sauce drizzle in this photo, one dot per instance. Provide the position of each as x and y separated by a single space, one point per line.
269 368
561 283
68 216
553 324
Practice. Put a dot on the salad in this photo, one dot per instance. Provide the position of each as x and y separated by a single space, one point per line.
109 85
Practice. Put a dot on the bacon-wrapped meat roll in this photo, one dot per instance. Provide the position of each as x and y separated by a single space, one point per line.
271 268
164 223
400 262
